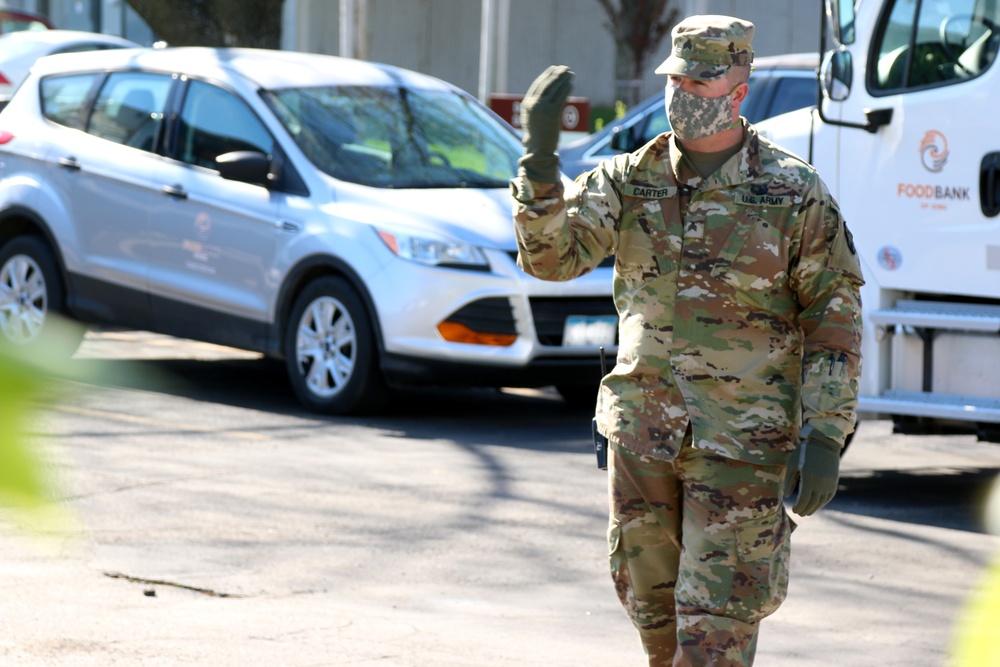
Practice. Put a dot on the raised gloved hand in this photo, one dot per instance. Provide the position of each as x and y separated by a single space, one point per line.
816 464
541 120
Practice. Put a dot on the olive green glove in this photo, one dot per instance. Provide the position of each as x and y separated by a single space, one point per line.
541 120
816 464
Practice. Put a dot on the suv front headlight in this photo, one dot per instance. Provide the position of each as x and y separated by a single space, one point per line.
434 251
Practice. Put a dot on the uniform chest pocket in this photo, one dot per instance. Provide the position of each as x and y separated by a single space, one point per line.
646 245
754 261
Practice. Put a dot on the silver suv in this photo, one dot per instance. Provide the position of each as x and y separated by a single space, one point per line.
351 218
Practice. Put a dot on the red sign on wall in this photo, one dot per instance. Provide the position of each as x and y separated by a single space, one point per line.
575 116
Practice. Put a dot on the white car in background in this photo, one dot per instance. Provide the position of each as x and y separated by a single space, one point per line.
19 51
351 218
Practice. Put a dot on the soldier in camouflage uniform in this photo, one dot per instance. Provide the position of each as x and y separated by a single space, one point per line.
737 288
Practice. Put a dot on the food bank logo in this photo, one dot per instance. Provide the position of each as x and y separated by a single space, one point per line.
933 155
934 151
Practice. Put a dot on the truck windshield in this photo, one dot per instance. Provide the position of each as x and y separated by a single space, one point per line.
926 43
398 137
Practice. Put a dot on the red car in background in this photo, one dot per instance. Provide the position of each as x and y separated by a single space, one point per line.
14 21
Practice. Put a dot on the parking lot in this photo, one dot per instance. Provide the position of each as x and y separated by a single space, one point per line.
221 524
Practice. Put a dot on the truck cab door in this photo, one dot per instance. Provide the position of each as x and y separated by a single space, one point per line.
921 192
916 181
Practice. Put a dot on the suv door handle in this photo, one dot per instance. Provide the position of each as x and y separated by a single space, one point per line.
288 226
70 163
176 191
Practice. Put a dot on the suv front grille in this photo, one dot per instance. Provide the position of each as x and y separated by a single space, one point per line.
492 315
550 314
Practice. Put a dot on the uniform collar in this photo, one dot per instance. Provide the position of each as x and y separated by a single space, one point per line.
743 167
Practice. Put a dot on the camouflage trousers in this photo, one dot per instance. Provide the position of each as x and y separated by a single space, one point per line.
699 551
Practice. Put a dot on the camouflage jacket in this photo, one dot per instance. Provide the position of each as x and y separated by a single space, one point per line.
738 296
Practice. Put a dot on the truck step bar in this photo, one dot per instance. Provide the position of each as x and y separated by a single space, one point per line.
941 406
939 315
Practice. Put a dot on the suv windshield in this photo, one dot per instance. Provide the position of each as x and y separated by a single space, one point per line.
398 137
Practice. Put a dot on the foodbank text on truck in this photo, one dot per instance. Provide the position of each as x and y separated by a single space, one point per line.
904 135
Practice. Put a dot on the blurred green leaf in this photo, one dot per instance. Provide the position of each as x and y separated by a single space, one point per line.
20 469
976 643
27 490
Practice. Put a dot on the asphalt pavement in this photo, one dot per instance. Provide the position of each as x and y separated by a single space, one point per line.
215 531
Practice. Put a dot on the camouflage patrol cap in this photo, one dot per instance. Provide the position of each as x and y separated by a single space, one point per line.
706 46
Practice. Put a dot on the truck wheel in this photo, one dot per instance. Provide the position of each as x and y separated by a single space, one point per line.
330 351
33 312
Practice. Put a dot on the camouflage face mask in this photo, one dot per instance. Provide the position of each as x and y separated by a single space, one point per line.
695 117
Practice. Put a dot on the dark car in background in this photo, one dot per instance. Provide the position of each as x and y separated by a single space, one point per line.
778 84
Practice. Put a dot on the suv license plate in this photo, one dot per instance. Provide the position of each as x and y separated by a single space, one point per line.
581 331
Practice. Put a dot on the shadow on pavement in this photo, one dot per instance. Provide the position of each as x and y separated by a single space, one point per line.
944 497
535 420
246 383
263 384
531 419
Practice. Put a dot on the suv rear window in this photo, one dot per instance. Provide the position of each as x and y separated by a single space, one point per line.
63 97
129 108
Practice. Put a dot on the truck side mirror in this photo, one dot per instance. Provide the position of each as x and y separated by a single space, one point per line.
837 73
841 16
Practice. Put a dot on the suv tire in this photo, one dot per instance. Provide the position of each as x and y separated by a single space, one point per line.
33 313
330 350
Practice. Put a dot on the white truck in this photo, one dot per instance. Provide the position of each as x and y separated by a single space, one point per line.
907 136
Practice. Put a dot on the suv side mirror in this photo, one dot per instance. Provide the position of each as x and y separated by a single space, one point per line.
621 139
245 166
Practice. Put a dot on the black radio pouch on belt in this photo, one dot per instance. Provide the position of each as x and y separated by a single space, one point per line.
600 442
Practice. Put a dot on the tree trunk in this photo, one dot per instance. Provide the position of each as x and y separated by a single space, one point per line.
248 23
628 77
638 27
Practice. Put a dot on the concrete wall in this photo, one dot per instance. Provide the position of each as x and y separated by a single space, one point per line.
442 37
